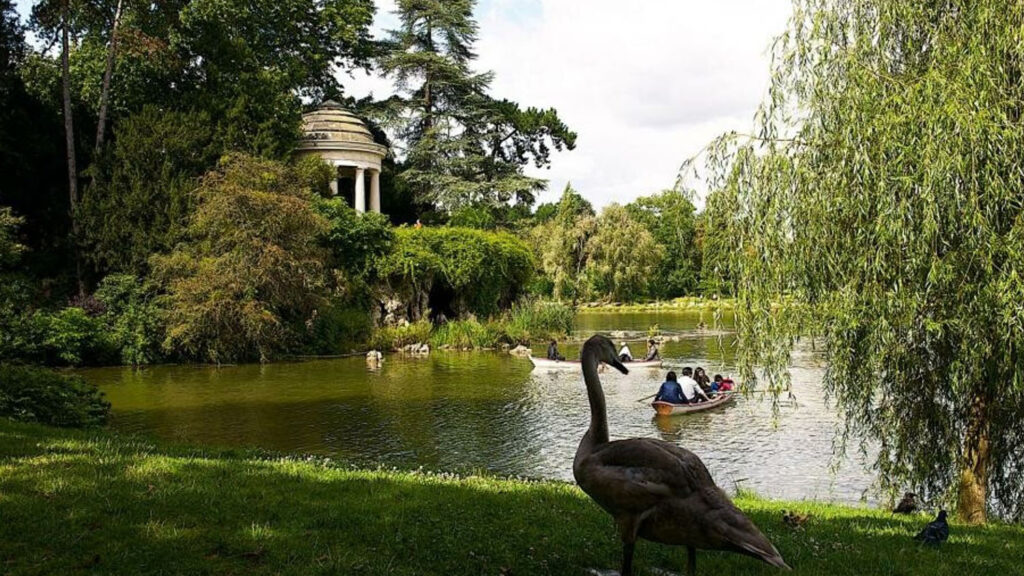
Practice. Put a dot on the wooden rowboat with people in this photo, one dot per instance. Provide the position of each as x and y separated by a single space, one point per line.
545 364
669 409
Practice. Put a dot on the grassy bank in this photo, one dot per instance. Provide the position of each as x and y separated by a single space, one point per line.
94 502
526 322
684 304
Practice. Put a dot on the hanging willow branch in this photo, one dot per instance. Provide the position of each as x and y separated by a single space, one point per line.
878 207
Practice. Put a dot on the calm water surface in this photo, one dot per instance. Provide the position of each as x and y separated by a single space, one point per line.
465 411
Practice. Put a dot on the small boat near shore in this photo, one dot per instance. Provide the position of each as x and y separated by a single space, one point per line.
545 364
669 409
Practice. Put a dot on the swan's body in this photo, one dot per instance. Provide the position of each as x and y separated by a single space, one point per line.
655 490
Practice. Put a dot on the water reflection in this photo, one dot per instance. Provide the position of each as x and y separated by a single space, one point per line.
484 411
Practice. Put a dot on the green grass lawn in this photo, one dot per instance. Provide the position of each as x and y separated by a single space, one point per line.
95 502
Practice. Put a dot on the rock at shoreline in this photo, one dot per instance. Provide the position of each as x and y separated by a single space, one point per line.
417 349
520 351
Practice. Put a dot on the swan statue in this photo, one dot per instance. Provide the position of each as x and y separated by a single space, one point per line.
656 490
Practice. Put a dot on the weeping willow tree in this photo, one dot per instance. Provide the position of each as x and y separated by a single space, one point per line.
877 207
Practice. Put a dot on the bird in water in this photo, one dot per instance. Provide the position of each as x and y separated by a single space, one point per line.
907 505
656 490
936 532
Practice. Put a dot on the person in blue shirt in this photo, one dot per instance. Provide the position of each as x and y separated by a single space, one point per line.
670 391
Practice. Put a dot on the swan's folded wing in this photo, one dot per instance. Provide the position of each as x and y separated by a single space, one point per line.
647 471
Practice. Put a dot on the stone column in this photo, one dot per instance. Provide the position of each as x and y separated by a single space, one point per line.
375 191
360 202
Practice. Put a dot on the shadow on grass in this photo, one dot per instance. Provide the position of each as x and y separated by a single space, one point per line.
95 503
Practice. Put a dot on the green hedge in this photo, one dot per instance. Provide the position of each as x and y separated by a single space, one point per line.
31 394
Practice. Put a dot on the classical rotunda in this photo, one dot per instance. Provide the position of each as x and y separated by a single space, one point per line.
344 141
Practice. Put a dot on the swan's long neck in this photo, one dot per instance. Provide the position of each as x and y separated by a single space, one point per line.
597 434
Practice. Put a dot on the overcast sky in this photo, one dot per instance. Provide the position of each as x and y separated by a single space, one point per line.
646 84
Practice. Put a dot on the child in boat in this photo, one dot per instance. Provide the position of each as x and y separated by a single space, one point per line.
691 391
725 385
716 383
670 390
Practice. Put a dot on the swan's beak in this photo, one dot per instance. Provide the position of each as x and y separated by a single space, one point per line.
618 366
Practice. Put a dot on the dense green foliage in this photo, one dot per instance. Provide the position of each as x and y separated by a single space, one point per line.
888 213
669 217
561 242
40 395
461 146
251 271
645 250
355 241
623 257
132 318
10 248
485 271
141 201
254 514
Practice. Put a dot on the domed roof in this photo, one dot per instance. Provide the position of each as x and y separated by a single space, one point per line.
331 127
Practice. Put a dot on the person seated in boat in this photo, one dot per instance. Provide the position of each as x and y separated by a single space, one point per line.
652 351
670 390
716 383
701 377
625 355
692 393
725 385
553 352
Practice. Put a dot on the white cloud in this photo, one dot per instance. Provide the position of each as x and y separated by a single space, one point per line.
646 84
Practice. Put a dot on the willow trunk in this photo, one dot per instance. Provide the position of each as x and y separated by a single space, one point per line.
973 490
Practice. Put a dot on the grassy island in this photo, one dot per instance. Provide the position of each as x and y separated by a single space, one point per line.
76 502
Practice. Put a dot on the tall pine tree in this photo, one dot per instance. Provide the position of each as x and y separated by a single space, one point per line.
462 147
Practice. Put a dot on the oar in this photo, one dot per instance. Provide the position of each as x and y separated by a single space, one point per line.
647 397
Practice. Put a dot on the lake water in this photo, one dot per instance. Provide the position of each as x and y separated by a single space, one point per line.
489 411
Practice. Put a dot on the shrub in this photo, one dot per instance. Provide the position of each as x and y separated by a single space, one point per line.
339 328
10 249
537 319
394 337
354 240
70 336
31 394
466 334
478 217
252 269
132 318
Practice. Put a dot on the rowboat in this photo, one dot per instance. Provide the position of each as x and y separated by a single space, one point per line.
545 364
669 409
